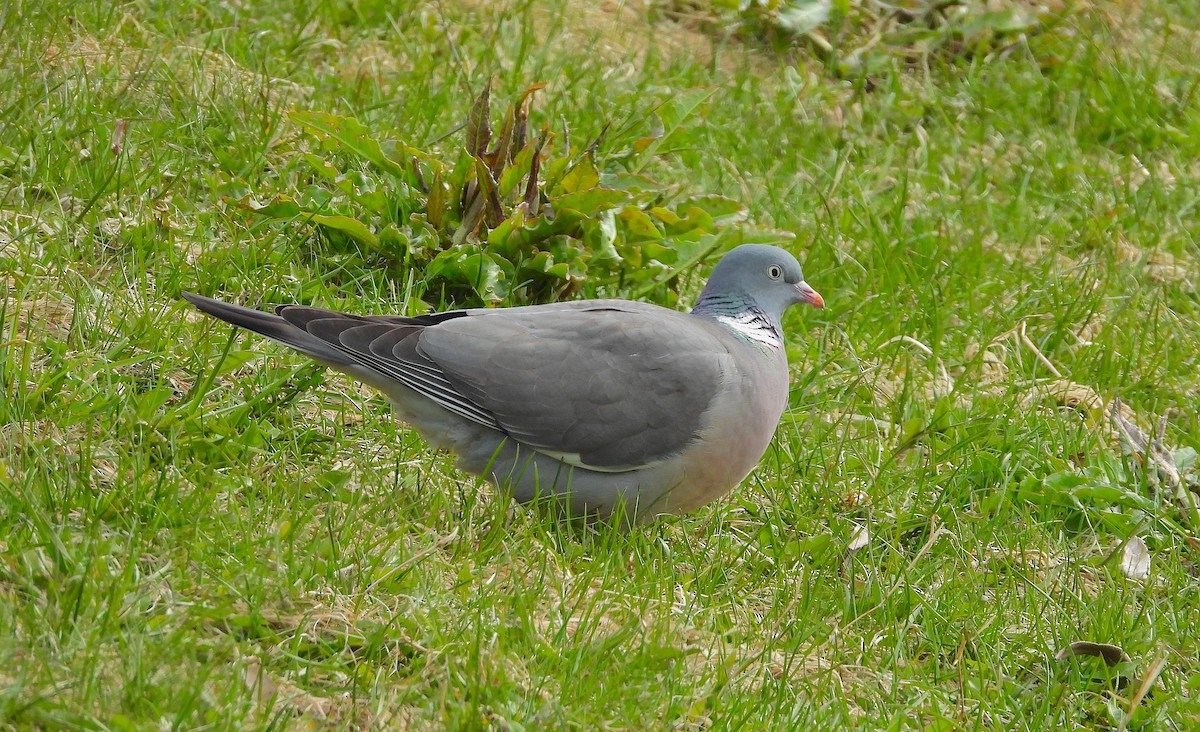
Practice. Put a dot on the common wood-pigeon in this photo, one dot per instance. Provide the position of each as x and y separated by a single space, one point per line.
611 408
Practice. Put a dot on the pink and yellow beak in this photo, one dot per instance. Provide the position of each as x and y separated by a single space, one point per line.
808 295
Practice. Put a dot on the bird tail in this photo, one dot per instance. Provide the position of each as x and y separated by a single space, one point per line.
272 326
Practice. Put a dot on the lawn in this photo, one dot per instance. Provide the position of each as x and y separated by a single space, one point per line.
200 529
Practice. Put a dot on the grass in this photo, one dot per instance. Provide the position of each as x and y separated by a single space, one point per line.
198 529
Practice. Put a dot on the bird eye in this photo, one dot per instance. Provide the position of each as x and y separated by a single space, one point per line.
774 271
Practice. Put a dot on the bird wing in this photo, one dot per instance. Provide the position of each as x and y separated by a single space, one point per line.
608 386
605 387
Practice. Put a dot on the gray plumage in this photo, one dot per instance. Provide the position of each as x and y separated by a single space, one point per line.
603 405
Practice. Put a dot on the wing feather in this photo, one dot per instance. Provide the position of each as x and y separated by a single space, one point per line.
609 388
357 338
619 389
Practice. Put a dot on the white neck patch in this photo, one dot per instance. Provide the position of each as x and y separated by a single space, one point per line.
752 326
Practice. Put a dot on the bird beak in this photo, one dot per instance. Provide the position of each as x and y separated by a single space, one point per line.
809 295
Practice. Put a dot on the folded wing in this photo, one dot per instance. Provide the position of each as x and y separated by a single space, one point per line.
603 387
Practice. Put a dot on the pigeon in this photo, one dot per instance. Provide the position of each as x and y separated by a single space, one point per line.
610 410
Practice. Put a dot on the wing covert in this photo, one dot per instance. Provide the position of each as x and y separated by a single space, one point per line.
607 389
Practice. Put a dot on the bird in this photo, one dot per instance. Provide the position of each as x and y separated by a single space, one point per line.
610 410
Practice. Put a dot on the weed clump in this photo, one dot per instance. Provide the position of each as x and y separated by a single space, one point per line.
506 215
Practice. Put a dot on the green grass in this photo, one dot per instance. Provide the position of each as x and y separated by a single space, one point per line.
198 529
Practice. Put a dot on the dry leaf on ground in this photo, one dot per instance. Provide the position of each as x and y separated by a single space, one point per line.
1135 560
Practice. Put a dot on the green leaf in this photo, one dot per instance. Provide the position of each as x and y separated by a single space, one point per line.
1063 481
666 215
322 167
589 202
333 480
280 207
638 184
817 544
581 177
672 114
478 128
709 244
468 266
493 211
367 192
1184 458
543 263
499 237
638 224
284 208
720 209
350 134
393 241
645 260
600 233
697 218
351 227
435 203
680 107
422 234
512 176
555 168
540 229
